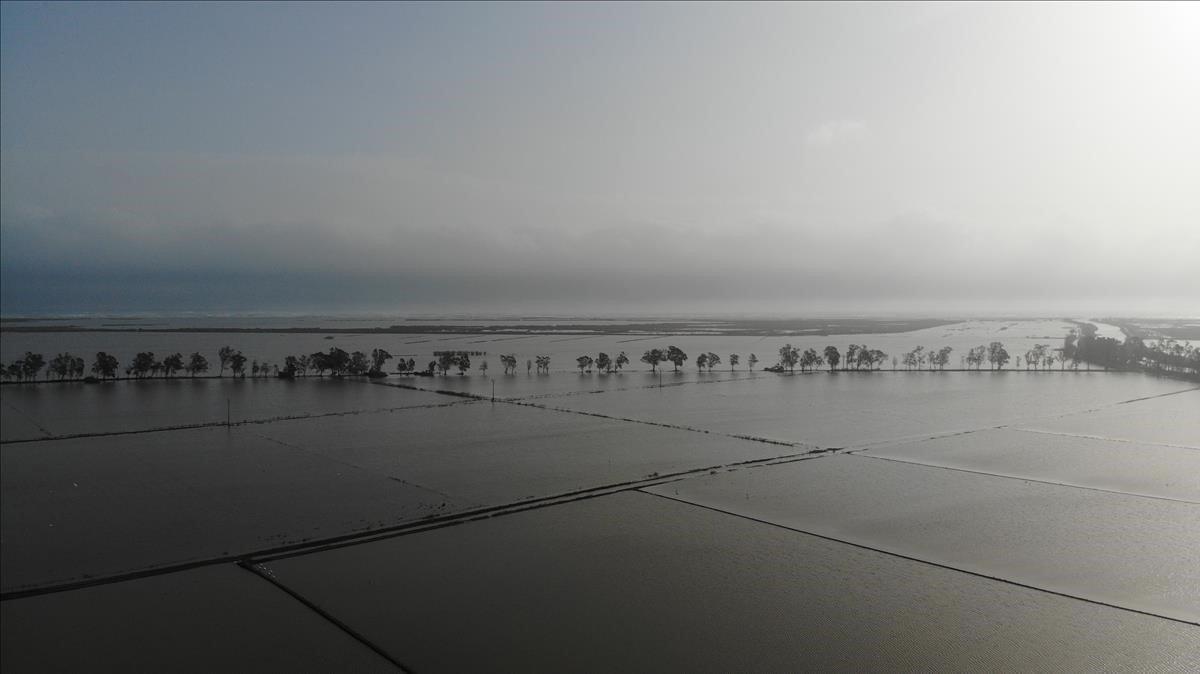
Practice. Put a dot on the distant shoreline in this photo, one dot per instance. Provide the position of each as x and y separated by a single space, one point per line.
735 328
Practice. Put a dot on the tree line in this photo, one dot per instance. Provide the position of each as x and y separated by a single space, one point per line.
1162 356
1081 345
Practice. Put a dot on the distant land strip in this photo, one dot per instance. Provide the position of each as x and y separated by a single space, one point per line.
780 328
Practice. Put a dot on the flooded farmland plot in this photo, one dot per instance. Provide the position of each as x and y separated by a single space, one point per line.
488 454
1130 551
97 507
849 409
1170 420
1120 466
636 582
219 618
33 412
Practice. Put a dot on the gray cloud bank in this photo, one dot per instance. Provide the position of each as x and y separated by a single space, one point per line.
600 158
378 234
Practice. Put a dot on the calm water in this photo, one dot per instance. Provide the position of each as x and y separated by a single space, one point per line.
1078 483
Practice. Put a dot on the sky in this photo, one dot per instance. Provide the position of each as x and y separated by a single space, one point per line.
589 159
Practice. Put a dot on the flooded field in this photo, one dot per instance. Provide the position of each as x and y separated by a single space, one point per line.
1115 465
1016 520
689 589
1127 550
855 409
96 507
175 623
73 408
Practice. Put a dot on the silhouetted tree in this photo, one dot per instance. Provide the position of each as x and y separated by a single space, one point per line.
60 365
379 357
197 364
653 357
876 358
509 362
621 361
237 364
789 356
358 363
733 361
809 360
142 364
603 362
225 354
943 356
832 357
172 364
105 366
851 356
701 361
976 356
752 361
338 361
463 361
582 362
676 356
31 364
996 355
445 361
713 360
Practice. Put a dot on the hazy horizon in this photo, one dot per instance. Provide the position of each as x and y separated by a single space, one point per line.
601 159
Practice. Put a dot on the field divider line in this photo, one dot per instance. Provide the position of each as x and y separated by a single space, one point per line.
1017 426
325 457
28 417
678 427
920 437
1103 438
525 403
488 512
426 523
923 464
267 575
1159 395
919 560
242 422
1064 415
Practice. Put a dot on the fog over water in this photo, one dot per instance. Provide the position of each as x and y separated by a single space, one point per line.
600 159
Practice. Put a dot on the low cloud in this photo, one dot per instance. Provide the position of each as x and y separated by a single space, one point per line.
378 233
